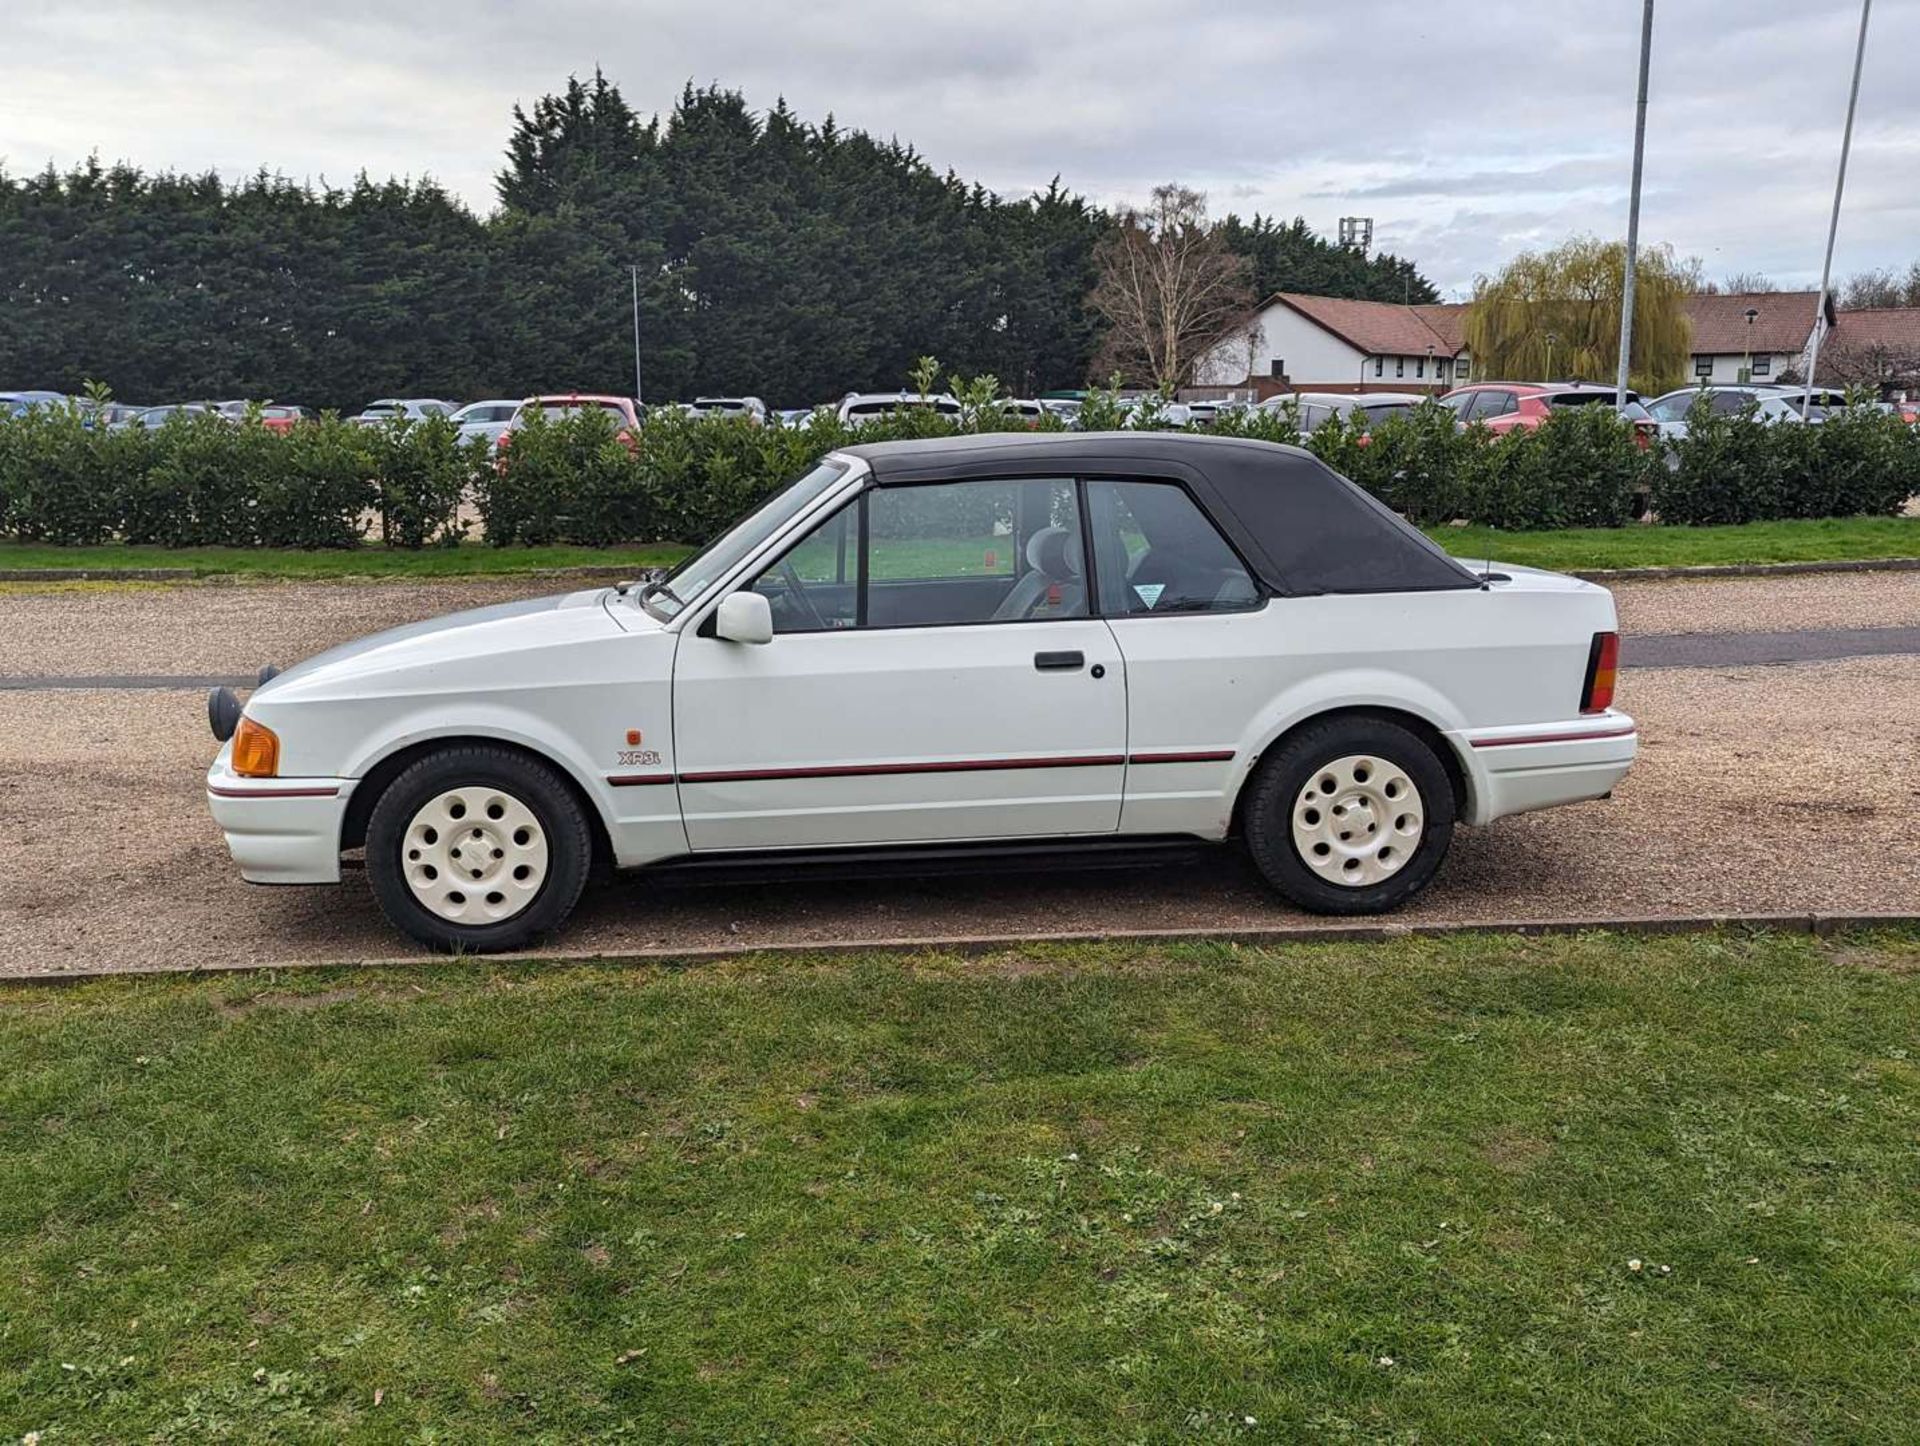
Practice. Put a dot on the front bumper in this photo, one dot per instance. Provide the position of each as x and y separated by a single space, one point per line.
279 830
1518 769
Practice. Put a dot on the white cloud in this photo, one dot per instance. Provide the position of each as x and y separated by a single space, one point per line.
1467 132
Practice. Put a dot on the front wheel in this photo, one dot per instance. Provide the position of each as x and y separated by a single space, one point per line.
477 849
1350 816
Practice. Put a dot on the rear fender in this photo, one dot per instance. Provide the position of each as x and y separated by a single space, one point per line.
1355 689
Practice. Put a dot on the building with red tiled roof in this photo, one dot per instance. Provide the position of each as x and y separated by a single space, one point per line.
1336 344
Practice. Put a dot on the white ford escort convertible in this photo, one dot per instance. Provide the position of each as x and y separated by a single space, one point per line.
948 650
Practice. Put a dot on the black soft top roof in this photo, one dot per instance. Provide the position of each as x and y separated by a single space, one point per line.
1304 528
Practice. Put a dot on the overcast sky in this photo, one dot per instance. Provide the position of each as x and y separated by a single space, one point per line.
1467 131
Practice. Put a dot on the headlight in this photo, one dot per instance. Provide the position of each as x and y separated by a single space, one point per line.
256 750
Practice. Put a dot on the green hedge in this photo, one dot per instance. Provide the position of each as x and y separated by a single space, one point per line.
203 481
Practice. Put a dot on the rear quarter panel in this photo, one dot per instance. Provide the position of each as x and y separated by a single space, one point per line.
1510 655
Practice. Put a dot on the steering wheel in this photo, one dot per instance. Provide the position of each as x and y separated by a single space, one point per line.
798 591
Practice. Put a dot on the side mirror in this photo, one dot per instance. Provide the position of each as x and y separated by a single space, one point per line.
744 617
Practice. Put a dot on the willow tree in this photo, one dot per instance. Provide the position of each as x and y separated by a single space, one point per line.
1551 315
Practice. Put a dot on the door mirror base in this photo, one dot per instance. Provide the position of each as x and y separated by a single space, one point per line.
744 617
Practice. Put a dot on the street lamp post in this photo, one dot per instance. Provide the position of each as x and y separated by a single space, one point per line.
1833 227
1746 373
1361 385
1432 377
1633 211
637 394
1552 338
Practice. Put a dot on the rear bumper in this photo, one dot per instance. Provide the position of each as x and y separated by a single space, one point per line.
1534 766
279 830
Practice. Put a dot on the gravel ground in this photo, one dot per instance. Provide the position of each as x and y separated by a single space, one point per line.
100 629
1791 789
1770 604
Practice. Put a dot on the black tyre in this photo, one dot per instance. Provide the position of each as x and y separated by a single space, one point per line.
478 849
1350 816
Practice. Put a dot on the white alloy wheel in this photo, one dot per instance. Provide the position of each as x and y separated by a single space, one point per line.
1357 821
474 855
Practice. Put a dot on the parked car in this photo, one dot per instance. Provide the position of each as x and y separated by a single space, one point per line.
624 411
1151 409
858 407
1670 410
752 408
279 417
13 404
1316 409
943 649
157 416
1026 410
114 415
1507 406
485 420
414 409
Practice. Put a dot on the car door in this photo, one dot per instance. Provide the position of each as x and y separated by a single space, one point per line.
1189 618
936 673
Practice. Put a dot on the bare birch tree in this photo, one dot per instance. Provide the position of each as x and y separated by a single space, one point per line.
1168 289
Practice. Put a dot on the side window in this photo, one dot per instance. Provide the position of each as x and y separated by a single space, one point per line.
1495 404
1156 552
1727 404
974 552
815 586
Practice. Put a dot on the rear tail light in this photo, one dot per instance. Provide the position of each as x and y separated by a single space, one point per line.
1603 668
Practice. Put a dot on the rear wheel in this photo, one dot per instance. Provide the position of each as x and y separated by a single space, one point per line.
478 849
1350 816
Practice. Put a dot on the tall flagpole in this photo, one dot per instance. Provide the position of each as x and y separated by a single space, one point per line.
1833 226
1633 209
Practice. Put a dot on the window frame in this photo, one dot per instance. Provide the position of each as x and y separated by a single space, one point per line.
1262 594
1703 366
1761 365
1090 568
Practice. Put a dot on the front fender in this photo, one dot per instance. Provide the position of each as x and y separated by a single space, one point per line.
498 722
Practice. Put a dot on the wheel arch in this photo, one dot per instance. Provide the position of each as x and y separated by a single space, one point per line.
1423 728
389 766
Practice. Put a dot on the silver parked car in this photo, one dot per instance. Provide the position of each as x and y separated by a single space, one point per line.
1770 404
1316 409
485 420
414 409
752 408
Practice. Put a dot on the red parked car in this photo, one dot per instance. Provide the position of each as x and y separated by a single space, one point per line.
1507 406
283 419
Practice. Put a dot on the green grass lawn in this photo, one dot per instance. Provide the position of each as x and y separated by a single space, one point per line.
1103 1194
1820 540
1593 547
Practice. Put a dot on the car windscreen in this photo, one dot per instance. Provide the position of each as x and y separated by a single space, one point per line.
719 557
571 409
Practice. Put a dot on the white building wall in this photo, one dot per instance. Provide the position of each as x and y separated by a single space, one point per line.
1314 356
1315 359
1727 366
